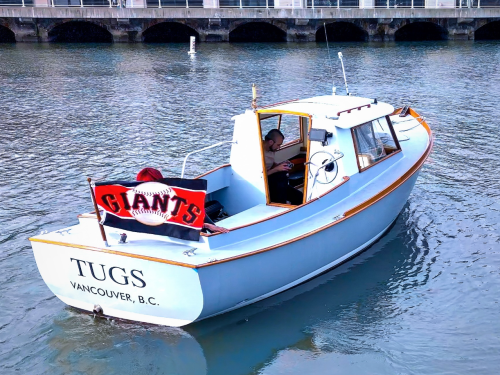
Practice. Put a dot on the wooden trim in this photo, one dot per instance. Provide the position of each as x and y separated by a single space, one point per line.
266 182
295 142
108 251
414 115
380 160
278 111
393 132
349 213
283 205
264 170
213 170
306 170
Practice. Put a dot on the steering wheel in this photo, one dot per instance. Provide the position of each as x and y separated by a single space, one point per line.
325 165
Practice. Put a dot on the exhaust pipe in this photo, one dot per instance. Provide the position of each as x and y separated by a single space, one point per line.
97 310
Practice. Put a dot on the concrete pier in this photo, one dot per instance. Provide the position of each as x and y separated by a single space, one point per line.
47 24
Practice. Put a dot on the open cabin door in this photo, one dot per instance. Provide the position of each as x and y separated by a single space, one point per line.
294 148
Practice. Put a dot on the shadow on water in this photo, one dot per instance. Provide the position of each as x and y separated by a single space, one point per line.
329 314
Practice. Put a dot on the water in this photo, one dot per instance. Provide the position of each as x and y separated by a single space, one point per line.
422 300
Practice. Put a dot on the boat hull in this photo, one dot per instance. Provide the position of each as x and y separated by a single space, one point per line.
237 283
154 292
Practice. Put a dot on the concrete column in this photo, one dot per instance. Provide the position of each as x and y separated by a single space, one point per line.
25 30
214 35
461 33
301 31
120 36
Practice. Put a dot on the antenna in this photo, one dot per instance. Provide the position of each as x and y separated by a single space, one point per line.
329 59
343 71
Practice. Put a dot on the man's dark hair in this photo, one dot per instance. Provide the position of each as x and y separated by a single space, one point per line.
273 135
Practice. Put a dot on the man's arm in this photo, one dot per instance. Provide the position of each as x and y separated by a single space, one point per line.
281 167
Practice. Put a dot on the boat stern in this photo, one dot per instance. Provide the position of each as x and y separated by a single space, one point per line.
119 284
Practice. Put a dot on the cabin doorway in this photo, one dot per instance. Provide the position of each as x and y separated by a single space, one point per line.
285 186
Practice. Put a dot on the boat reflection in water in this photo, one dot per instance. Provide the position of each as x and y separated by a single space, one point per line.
335 312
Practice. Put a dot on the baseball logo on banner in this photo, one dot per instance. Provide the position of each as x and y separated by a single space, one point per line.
170 207
152 191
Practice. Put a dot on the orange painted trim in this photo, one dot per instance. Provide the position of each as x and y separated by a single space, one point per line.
107 251
379 161
306 172
348 214
295 142
282 111
213 170
264 170
307 151
283 205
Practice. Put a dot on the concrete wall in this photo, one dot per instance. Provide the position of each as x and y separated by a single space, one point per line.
214 25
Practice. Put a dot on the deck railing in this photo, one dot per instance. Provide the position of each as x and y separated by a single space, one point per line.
263 4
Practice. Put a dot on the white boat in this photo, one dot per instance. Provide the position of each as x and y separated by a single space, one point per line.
357 162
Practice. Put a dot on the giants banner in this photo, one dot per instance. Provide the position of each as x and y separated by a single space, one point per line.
171 207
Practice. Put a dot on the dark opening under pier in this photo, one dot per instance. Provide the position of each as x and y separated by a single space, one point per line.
366 20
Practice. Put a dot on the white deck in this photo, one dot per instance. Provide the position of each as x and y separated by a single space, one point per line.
257 213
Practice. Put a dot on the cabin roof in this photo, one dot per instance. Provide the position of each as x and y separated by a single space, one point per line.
343 110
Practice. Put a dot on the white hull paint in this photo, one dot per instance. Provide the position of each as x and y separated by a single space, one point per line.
161 301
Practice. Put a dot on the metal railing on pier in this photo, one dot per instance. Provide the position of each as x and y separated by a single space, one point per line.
266 4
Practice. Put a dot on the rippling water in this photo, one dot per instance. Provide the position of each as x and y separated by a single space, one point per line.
423 300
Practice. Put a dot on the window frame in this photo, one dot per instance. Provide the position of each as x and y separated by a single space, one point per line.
295 141
273 113
355 143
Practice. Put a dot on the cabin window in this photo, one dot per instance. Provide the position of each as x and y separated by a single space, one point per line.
289 125
374 141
